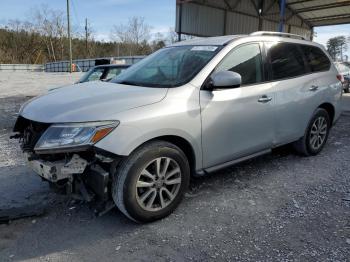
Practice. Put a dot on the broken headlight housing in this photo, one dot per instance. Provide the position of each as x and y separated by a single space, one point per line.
73 136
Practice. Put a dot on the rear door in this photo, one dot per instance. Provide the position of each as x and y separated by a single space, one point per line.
323 70
296 89
319 66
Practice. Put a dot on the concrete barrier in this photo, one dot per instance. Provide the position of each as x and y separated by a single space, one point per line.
21 67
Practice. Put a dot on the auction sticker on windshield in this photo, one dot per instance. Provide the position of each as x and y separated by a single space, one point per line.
204 48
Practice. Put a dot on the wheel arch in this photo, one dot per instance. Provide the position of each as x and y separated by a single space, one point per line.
181 143
330 110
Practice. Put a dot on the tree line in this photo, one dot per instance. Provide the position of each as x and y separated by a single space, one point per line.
337 46
42 37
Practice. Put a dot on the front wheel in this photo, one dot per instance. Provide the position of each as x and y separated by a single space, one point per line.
150 183
316 134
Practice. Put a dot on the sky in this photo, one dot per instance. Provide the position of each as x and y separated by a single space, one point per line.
103 14
323 33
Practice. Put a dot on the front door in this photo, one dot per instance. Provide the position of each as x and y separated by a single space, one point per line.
239 121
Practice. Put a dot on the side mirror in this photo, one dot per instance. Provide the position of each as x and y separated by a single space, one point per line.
225 79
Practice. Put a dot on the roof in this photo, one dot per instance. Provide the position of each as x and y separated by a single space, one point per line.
321 12
217 40
262 35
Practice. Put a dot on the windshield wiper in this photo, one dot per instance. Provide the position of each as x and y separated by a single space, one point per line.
142 84
128 83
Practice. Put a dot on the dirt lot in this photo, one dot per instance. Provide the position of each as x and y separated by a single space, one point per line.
279 207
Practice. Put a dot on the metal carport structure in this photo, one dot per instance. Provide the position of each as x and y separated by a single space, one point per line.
223 17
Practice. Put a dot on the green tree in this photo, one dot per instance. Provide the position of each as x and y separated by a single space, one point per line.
336 46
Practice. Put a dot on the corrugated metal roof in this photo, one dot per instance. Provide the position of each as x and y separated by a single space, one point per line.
241 24
203 20
321 12
222 17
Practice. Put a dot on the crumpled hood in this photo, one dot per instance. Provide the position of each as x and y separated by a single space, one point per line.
92 101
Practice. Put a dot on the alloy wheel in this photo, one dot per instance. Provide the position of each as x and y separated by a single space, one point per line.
158 184
318 133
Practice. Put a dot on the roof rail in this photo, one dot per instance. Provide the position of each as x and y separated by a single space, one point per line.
270 33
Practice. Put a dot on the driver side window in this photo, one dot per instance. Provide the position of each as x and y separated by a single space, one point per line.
245 60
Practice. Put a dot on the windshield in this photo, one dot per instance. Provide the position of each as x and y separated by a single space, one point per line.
168 67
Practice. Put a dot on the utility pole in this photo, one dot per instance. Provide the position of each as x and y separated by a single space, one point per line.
69 39
86 37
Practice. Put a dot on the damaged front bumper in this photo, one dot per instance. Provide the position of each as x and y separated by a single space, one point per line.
84 172
85 179
58 170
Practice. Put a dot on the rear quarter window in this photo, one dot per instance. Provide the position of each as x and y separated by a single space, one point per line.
316 58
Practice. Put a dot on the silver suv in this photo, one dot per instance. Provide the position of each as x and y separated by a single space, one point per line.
188 109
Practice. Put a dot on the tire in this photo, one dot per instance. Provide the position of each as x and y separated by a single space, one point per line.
145 167
307 145
347 89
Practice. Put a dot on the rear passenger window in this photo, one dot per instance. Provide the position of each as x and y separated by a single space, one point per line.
316 58
286 60
245 60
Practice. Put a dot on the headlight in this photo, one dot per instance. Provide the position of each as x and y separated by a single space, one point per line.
62 137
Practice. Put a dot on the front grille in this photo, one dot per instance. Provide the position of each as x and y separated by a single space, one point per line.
30 132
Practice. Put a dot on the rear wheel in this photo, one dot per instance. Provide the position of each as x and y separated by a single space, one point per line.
150 183
316 134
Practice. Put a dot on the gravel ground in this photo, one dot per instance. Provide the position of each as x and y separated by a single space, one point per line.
278 207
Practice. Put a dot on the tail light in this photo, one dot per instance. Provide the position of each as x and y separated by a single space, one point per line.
340 78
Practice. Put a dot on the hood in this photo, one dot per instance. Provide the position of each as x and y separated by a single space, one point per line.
91 101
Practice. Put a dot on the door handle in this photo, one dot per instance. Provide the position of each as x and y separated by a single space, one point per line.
264 99
313 88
